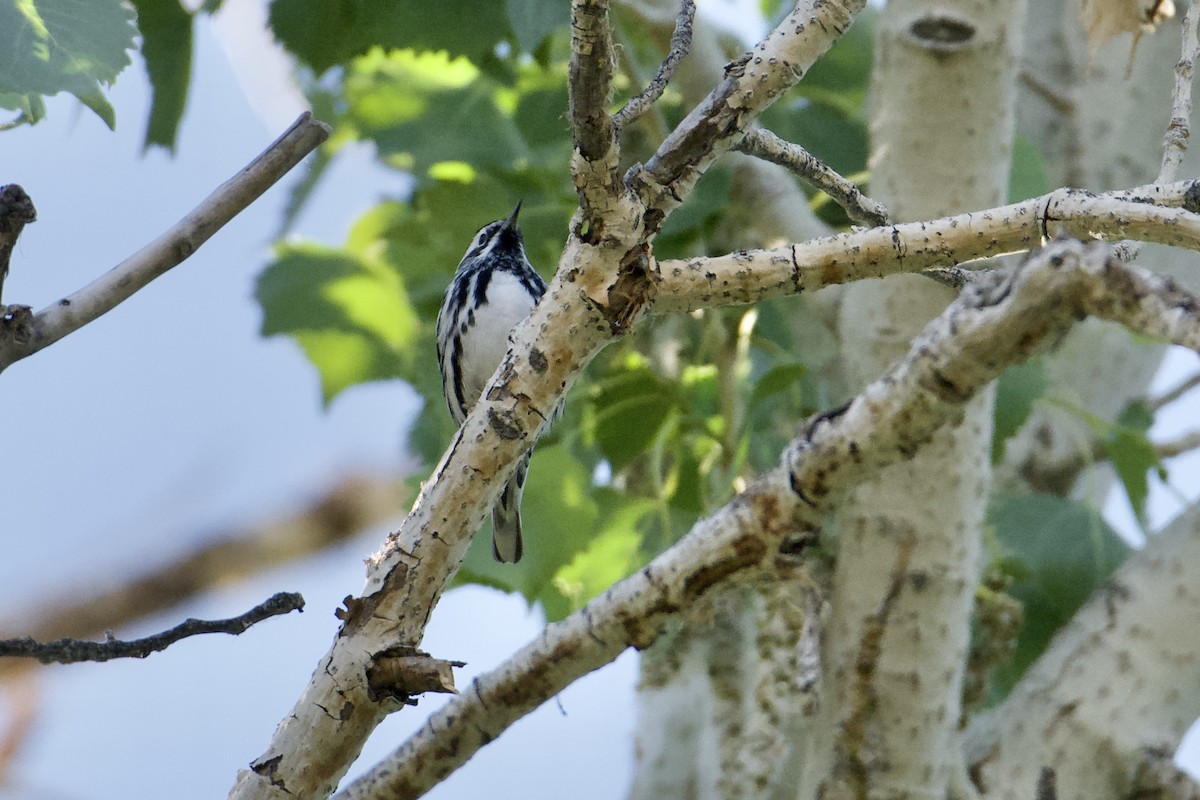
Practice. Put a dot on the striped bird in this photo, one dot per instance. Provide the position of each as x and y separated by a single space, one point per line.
493 289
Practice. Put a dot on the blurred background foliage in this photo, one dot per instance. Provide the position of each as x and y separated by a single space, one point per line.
469 100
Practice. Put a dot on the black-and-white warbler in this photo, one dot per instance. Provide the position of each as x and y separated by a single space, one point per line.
493 289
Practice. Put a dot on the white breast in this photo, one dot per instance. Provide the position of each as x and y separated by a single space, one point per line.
485 343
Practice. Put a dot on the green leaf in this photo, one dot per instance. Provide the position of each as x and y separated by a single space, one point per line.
167 47
349 313
776 380
614 553
1027 174
1058 552
1133 456
50 46
421 109
534 20
628 409
324 33
1016 391
559 518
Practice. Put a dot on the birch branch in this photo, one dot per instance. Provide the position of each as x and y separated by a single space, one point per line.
73 651
751 83
986 330
764 144
589 82
753 275
71 313
681 43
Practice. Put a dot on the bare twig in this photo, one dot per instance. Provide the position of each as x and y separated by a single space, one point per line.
762 143
342 511
72 651
1174 393
681 43
1179 129
184 238
1171 448
16 211
1054 97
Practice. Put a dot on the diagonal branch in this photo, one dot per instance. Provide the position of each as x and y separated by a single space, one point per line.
681 43
73 651
989 328
762 143
168 250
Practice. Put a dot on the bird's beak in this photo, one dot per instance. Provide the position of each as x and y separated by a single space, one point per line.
510 224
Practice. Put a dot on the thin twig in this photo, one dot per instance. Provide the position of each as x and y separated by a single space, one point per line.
72 651
681 43
1053 97
16 211
340 512
1178 446
1179 129
764 144
171 248
1174 393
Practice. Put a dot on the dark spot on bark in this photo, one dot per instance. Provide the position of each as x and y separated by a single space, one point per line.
1191 198
537 360
942 32
505 424
268 769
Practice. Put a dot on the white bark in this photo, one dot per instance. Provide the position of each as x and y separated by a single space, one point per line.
1120 681
909 541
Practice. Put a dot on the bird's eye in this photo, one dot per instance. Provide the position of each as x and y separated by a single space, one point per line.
482 238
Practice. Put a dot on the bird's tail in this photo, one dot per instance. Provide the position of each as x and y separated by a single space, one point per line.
506 518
